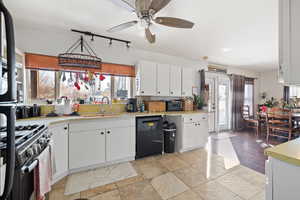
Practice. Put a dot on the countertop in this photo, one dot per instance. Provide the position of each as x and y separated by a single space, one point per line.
59 119
288 152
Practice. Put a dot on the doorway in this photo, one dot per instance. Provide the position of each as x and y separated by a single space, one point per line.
219 103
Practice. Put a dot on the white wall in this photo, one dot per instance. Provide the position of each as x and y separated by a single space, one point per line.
51 42
269 84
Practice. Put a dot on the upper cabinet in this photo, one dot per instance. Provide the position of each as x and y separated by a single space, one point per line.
175 81
146 78
187 82
153 79
163 80
289 42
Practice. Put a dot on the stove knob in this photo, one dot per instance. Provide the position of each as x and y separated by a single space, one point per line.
42 141
29 152
35 149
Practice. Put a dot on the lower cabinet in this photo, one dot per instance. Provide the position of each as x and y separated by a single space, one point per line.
86 148
192 131
60 150
114 142
120 143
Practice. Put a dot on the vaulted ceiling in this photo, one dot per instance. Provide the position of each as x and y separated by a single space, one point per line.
241 33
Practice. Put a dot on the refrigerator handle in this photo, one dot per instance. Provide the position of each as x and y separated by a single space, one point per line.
10 150
11 94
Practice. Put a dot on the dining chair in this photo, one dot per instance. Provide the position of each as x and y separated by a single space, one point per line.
280 124
249 120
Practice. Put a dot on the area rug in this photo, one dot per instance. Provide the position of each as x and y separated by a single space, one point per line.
98 177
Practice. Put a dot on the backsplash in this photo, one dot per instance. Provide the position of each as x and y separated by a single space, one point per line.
89 108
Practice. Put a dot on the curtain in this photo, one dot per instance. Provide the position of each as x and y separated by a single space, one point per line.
202 82
286 93
238 90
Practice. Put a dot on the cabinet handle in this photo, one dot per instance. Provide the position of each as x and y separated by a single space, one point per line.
108 132
142 92
102 133
172 92
158 92
66 128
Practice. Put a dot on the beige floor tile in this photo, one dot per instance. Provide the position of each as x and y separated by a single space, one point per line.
190 157
239 186
250 176
209 170
112 195
139 191
172 163
98 190
151 169
190 176
58 194
188 195
60 184
145 160
168 185
129 181
214 191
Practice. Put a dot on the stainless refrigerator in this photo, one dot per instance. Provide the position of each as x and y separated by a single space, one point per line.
8 98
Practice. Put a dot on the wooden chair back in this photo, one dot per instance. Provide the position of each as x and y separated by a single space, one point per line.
245 112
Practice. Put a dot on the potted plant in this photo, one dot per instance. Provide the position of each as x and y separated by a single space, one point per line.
271 103
198 101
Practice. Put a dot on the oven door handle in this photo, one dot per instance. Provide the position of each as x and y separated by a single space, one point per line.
29 168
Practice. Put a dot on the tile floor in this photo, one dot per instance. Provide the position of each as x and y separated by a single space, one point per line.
194 175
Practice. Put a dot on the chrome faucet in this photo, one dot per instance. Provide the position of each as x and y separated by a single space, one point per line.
102 111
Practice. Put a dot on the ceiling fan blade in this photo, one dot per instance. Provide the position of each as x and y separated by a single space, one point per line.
142 5
124 4
174 22
150 37
122 26
157 5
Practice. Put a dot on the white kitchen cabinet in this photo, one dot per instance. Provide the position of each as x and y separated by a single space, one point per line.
282 180
163 80
289 42
192 131
86 148
120 143
60 149
146 78
175 81
187 82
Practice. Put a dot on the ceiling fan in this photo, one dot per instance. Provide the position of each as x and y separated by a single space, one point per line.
146 11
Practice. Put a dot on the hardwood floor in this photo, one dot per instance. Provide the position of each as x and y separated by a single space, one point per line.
248 150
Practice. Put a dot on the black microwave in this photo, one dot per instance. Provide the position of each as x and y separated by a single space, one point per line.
175 105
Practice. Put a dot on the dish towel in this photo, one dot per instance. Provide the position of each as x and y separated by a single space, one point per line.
43 174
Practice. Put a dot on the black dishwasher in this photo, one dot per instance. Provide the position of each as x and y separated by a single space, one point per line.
149 136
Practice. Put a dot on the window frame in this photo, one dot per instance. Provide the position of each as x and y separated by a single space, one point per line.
33 80
252 100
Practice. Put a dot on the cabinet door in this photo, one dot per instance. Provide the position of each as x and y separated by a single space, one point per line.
146 79
120 143
190 137
175 81
86 148
187 82
60 148
163 80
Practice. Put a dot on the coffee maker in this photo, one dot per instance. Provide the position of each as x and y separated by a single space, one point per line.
131 105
